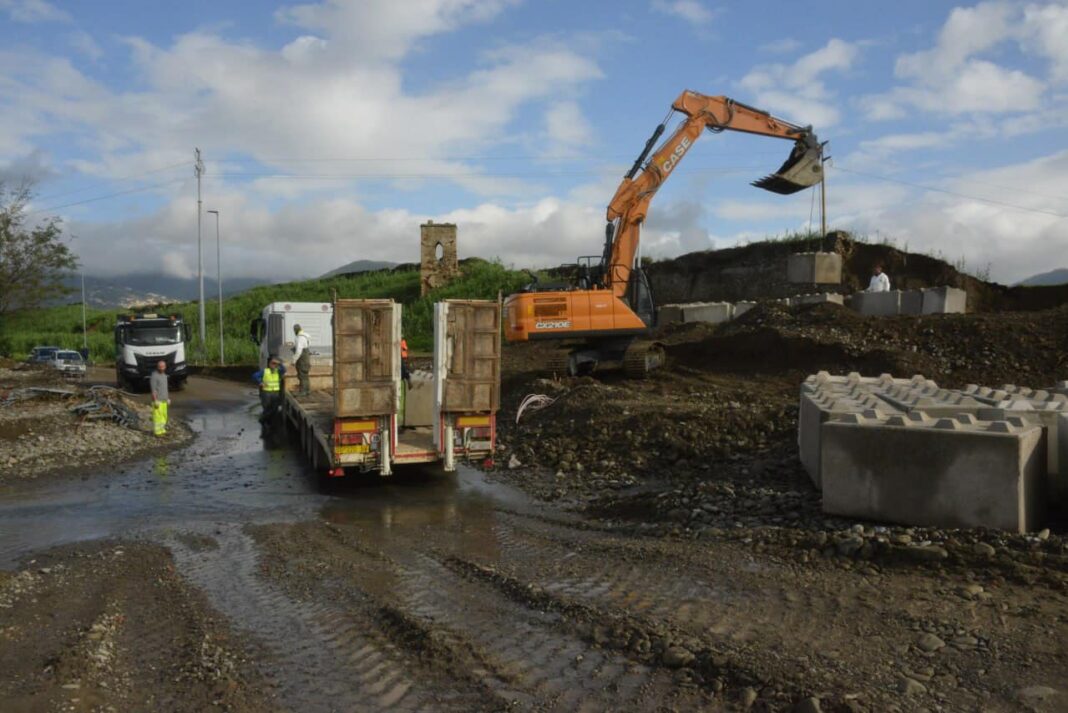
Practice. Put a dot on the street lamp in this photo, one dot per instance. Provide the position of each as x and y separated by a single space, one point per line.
218 264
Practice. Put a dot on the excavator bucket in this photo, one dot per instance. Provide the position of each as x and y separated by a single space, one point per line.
802 169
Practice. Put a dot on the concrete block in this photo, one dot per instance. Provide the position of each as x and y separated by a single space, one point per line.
944 300
818 298
911 302
934 472
877 304
709 312
741 308
814 268
669 314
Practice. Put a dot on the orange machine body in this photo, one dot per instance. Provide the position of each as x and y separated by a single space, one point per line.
577 314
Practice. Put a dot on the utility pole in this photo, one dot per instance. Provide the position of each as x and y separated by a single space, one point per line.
218 265
823 192
199 170
85 334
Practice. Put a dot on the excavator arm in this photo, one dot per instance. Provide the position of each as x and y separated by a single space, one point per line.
628 208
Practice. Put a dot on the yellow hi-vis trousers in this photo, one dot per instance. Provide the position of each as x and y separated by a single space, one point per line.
159 417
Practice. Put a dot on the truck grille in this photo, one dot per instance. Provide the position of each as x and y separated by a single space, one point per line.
148 363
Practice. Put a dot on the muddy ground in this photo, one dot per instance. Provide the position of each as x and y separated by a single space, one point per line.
641 545
40 435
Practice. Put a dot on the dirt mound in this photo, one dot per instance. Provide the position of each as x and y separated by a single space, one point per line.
758 272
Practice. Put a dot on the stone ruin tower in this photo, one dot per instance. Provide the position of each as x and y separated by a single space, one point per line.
437 255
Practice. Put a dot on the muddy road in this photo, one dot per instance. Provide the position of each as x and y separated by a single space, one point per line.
224 575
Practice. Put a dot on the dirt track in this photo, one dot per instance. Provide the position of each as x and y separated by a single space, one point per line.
704 578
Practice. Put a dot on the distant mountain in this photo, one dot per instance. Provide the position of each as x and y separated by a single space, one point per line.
122 291
360 266
1053 277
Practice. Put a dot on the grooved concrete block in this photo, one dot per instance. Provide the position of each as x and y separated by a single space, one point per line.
818 298
741 308
944 300
911 302
709 312
668 314
877 304
942 472
814 268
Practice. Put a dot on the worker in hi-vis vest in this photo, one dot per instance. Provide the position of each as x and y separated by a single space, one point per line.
161 398
270 381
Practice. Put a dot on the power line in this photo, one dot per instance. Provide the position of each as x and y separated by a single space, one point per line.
456 174
105 197
123 179
933 189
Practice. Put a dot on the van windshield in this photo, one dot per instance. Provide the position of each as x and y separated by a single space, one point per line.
153 336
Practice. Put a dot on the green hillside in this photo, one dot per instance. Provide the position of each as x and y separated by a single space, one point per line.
62 326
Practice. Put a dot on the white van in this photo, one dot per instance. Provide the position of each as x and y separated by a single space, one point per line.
273 330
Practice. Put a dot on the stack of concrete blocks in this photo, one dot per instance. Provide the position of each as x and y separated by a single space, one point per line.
708 312
942 472
877 304
1046 408
907 451
814 268
823 397
936 300
943 300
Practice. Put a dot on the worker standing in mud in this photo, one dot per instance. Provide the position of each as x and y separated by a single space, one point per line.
302 359
161 398
879 281
270 381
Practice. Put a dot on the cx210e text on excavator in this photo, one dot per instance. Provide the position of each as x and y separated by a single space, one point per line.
606 312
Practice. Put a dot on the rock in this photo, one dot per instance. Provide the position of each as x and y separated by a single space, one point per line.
808 705
970 591
911 687
513 462
749 697
926 553
930 643
1043 534
676 657
1036 693
983 549
849 546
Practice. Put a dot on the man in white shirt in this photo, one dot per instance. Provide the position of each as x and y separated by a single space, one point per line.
302 359
879 281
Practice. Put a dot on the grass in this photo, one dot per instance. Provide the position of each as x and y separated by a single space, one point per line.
62 326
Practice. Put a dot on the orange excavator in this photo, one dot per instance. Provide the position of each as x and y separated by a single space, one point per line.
606 309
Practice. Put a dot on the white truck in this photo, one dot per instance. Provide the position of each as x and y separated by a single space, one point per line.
368 419
144 340
273 332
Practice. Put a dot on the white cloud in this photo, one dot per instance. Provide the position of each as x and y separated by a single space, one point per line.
84 43
1015 243
31 11
797 90
954 76
566 127
691 11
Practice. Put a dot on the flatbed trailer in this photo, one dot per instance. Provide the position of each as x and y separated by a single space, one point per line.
371 420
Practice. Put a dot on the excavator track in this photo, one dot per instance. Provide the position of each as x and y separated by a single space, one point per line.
643 357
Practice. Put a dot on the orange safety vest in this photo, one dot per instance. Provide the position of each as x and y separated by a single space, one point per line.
404 349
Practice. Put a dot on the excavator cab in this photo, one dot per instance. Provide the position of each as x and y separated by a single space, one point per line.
802 169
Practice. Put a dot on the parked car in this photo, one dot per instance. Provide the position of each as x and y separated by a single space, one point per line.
39 355
68 363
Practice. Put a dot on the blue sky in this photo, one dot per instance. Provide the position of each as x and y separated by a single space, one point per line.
331 130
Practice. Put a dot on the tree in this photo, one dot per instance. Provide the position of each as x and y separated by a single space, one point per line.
33 257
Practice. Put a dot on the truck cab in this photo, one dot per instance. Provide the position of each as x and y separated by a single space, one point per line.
142 341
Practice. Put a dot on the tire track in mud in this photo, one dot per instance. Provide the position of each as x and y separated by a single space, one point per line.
321 658
522 657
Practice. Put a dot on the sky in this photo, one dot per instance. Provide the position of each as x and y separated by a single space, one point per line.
330 130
